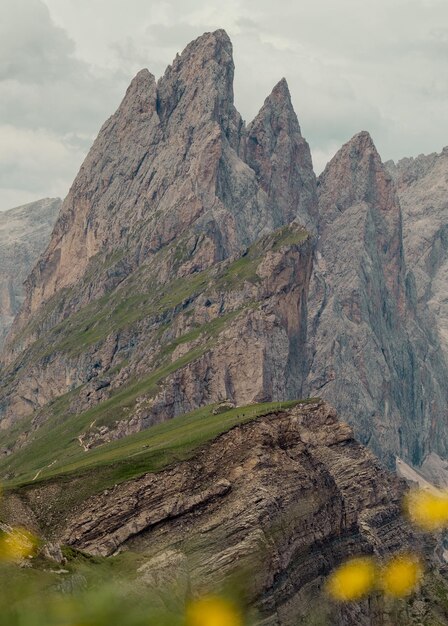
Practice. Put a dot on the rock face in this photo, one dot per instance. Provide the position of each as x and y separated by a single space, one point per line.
423 191
179 253
372 354
172 161
24 234
289 507
422 185
180 274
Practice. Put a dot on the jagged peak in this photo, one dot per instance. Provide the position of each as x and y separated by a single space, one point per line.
218 37
211 46
202 74
354 150
141 82
281 89
140 96
362 142
277 111
356 173
359 145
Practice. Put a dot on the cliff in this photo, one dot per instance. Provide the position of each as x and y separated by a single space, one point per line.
178 270
287 509
24 234
372 353
422 191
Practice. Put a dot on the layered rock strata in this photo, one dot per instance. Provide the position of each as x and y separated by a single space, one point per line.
287 509
180 219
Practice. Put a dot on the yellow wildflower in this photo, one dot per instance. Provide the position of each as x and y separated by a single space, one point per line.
213 611
353 580
428 510
17 545
401 575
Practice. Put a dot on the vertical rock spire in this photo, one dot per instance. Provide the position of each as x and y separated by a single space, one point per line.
281 159
198 86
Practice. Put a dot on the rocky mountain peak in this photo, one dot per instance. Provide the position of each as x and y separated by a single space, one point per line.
356 174
276 117
141 82
139 97
412 170
174 178
277 152
199 83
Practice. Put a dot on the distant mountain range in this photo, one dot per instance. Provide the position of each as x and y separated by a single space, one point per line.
24 234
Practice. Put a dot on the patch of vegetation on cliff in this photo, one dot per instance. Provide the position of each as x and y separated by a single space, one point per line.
141 296
290 235
61 429
76 477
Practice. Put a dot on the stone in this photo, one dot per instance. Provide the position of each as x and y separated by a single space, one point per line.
368 346
24 234
286 509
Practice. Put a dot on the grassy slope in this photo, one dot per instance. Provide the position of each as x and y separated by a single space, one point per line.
57 437
140 297
147 451
122 308
82 475
53 450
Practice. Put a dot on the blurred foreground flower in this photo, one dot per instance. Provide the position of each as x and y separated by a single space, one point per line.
401 575
427 510
17 544
353 580
213 611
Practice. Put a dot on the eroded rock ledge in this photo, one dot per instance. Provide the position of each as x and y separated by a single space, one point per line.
288 496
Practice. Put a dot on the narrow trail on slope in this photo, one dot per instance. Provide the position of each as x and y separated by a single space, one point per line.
42 469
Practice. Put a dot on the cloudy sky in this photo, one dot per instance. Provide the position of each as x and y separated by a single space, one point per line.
351 65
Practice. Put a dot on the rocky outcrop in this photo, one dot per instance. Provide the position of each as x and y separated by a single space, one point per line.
24 234
170 162
280 157
423 193
180 218
371 353
286 509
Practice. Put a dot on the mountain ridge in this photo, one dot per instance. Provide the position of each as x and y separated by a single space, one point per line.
182 260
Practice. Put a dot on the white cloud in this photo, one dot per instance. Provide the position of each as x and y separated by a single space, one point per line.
46 160
351 65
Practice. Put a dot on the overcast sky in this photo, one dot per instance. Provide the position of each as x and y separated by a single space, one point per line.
351 65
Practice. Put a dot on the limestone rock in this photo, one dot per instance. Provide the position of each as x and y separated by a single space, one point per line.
173 189
169 160
422 185
289 507
24 234
368 345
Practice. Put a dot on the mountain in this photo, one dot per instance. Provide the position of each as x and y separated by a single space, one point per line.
281 512
422 185
196 260
178 270
198 281
373 353
24 233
